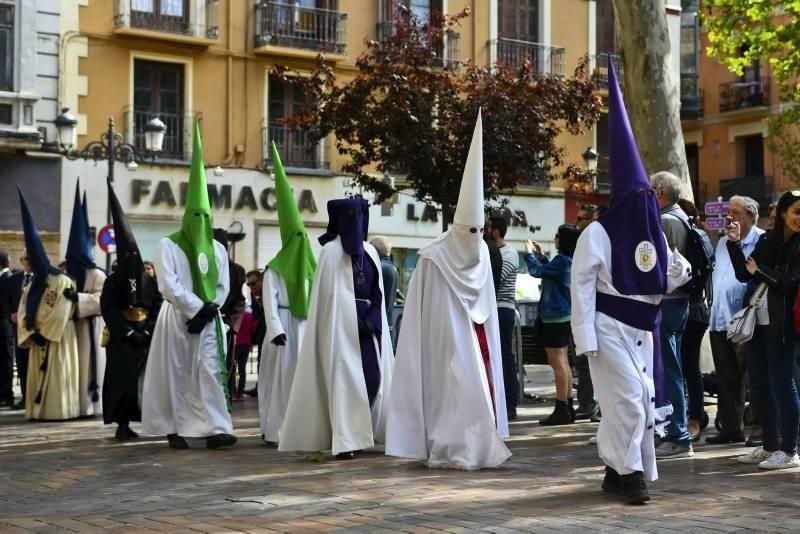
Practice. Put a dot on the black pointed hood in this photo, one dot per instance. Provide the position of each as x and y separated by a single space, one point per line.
130 272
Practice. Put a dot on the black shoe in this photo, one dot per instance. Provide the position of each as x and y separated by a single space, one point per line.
252 392
124 433
512 414
633 488
586 413
721 439
597 417
571 410
220 440
611 483
8 403
177 442
350 455
560 415
20 405
755 441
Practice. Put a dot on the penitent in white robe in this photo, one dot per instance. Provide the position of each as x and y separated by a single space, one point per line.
440 408
89 328
276 371
55 386
622 371
328 405
184 391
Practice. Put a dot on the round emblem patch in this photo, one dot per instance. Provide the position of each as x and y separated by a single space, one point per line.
202 262
645 256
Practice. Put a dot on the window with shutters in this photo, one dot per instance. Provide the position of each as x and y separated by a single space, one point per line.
519 19
294 146
162 15
6 47
158 90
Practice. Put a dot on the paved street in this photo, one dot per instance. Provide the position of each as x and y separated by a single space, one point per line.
73 476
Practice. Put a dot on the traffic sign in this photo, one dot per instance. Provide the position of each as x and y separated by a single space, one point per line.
716 223
105 239
716 208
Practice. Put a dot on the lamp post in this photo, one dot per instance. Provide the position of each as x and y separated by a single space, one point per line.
590 160
109 147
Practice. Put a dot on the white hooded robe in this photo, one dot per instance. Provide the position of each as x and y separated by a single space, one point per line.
89 326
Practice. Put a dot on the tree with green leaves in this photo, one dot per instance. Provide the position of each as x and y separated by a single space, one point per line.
742 32
410 112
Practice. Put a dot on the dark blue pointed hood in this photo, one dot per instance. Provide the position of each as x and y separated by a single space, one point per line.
79 246
39 262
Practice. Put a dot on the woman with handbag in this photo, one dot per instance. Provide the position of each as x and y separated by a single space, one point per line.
773 272
555 308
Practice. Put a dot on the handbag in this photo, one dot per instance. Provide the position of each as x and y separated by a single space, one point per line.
743 322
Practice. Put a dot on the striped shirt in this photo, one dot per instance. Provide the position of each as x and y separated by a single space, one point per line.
507 290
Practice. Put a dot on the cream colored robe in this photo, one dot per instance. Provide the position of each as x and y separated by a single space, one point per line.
58 382
88 311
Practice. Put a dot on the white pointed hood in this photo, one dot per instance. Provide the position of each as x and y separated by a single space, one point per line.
460 253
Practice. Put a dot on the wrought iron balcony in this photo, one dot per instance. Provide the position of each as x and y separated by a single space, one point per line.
598 69
546 59
743 94
193 18
295 26
447 57
603 176
177 139
295 148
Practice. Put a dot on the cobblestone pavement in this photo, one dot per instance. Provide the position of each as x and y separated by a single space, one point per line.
73 476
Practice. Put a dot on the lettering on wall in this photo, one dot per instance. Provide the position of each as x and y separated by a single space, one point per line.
431 214
219 196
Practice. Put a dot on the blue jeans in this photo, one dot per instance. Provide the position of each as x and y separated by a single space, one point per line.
770 365
674 314
506 318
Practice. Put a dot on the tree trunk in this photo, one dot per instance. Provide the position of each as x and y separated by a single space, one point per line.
651 92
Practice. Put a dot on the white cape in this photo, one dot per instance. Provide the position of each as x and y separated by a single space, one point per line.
328 405
622 371
183 389
440 406
276 371
89 326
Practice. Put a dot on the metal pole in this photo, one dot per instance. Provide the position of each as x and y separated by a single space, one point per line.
110 179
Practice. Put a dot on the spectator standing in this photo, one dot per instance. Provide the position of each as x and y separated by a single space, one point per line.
254 284
506 311
586 215
674 314
244 343
729 358
773 272
18 282
587 405
6 336
555 308
390 277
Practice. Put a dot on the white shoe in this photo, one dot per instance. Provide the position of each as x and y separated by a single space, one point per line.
780 460
756 456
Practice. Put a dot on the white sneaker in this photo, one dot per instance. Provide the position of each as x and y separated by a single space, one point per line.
780 460
756 456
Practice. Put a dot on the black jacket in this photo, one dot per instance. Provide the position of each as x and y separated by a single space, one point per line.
781 278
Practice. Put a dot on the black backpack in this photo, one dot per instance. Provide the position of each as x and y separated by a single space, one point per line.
700 254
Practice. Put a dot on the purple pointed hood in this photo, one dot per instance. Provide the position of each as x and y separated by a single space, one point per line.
348 218
633 220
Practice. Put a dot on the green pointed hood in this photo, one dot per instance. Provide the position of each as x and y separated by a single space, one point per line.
295 262
196 236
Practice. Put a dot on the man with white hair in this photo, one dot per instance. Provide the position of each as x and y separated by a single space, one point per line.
674 314
728 299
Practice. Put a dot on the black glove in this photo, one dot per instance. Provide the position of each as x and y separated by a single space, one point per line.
137 339
279 340
71 294
195 324
365 328
39 339
209 311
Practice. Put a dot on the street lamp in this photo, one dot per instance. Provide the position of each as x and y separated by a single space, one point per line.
590 160
109 147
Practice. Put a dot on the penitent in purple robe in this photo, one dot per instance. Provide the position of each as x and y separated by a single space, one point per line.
368 308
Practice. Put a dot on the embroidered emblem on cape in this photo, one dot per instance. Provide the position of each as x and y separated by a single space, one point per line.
202 262
132 284
50 297
645 256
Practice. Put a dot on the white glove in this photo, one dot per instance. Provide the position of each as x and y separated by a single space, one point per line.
591 354
676 266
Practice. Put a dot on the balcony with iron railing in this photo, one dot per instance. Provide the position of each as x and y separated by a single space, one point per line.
306 28
192 22
598 69
743 95
295 148
177 139
448 56
544 58
602 183
761 188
